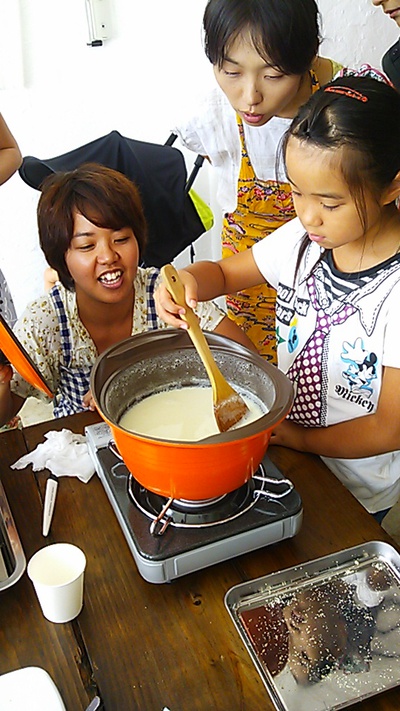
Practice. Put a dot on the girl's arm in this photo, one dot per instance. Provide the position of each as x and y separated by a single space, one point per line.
231 330
361 437
204 281
10 404
10 155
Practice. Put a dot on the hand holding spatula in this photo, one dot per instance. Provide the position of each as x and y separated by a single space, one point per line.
229 406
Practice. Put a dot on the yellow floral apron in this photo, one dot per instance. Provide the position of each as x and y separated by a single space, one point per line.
262 207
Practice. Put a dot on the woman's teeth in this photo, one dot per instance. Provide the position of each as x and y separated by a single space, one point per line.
111 277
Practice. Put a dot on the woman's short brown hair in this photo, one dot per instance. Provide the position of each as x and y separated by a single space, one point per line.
104 196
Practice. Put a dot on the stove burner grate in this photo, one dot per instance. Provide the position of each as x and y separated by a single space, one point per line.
182 513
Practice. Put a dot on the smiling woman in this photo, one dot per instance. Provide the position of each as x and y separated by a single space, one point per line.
93 232
103 263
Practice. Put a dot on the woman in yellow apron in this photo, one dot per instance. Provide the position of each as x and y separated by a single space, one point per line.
262 207
264 55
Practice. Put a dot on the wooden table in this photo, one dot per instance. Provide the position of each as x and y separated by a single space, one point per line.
142 646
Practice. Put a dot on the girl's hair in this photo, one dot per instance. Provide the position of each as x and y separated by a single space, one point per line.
361 116
104 196
285 33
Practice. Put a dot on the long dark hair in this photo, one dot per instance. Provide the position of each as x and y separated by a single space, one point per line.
361 115
284 32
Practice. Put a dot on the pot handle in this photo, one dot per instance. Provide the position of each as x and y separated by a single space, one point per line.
275 482
114 449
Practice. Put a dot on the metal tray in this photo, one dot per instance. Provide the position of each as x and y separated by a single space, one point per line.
325 634
12 558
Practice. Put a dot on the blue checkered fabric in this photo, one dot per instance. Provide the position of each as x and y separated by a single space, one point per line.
151 304
74 382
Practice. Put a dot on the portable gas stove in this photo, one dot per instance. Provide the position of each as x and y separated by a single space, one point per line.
169 538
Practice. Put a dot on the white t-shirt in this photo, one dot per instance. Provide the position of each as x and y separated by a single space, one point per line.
336 332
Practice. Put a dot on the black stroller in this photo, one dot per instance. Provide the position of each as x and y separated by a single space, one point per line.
176 216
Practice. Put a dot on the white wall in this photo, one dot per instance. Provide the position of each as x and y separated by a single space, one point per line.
60 93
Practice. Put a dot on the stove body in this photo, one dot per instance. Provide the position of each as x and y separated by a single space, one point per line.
176 541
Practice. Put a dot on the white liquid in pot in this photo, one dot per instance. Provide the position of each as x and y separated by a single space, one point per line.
184 414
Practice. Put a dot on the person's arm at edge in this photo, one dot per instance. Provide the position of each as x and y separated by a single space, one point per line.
10 404
10 154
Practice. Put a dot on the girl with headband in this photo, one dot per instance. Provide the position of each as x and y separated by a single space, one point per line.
336 271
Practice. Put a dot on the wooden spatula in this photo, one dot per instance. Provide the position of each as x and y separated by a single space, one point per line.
229 406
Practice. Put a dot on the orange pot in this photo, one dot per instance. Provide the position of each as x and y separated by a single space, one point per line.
157 360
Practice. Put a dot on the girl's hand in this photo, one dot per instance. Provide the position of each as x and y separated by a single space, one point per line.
6 373
88 401
166 307
288 434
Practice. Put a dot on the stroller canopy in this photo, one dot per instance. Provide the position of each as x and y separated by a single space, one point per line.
159 172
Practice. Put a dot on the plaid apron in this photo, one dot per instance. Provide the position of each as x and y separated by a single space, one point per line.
75 382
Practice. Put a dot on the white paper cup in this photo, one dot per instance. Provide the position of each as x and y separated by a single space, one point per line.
57 573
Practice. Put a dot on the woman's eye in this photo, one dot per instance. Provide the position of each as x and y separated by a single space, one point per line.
330 207
121 240
85 247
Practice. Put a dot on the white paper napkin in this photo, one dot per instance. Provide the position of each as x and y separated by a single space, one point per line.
64 453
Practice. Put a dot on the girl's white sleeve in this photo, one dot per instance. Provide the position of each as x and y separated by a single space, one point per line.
278 250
